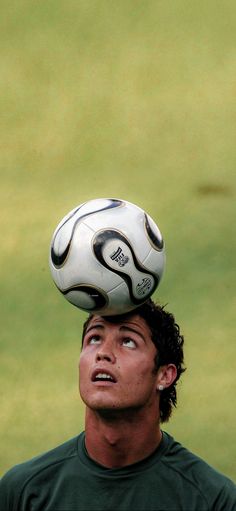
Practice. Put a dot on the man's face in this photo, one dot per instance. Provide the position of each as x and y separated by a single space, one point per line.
116 368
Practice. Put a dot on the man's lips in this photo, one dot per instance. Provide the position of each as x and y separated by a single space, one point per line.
103 375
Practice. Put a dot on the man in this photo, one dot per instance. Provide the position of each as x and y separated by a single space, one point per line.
129 368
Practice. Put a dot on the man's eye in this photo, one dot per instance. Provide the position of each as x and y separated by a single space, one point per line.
129 343
95 339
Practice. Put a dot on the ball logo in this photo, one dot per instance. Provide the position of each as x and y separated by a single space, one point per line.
119 257
144 287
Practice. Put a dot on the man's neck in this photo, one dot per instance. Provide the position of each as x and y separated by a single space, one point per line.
116 439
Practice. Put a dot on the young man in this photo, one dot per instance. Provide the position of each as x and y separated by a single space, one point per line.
129 368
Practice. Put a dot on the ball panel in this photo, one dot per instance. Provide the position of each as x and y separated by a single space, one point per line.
63 235
60 245
129 220
86 297
113 250
121 259
96 205
155 262
81 265
153 233
119 301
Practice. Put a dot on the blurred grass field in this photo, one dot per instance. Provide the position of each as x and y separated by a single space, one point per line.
132 100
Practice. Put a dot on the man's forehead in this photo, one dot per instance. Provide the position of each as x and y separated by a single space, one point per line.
131 320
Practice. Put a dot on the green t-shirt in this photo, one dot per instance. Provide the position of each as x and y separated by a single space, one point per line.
66 479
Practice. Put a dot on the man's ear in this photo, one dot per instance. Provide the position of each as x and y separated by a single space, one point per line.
166 375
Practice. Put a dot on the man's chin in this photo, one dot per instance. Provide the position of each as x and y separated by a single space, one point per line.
114 411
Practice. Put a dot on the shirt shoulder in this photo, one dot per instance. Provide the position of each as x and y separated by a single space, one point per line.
216 489
14 481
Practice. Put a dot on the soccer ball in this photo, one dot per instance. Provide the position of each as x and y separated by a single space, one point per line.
107 256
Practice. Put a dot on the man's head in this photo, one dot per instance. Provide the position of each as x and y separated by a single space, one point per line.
159 359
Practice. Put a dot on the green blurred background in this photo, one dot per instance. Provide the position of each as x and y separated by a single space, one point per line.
135 100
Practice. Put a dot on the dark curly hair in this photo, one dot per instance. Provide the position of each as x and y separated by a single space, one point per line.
165 334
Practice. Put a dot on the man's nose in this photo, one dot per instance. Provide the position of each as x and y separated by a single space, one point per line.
106 352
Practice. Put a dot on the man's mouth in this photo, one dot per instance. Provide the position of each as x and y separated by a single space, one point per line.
103 376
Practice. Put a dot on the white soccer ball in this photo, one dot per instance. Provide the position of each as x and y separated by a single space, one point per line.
107 256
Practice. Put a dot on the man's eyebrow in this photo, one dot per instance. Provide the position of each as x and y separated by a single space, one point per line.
91 327
132 329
